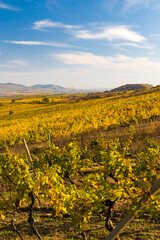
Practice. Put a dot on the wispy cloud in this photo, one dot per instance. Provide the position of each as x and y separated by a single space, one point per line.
81 58
8 7
121 62
153 4
38 43
144 46
14 64
47 23
22 73
51 4
156 35
111 33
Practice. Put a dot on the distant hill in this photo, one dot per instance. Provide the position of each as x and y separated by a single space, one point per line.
49 86
132 87
18 89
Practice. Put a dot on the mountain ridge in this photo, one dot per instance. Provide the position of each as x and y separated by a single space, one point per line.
17 89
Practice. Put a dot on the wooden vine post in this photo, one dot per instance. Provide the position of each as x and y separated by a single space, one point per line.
49 139
130 216
31 195
29 156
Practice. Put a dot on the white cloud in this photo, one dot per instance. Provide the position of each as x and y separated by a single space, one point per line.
119 45
50 4
8 7
14 64
109 33
18 62
120 62
153 4
22 73
46 23
112 33
38 43
156 35
81 58
131 3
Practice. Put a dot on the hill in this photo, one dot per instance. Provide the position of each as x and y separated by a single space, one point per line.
11 89
19 89
49 87
132 87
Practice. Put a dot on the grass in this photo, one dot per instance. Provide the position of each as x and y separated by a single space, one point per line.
142 228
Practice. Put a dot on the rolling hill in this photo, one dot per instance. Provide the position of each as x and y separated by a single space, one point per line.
132 87
18 89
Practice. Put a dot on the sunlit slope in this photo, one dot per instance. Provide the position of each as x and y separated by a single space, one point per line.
132 87
35 121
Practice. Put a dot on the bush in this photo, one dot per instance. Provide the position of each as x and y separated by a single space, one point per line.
10 112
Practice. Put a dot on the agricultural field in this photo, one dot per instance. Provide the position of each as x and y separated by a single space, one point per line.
94 159
67 117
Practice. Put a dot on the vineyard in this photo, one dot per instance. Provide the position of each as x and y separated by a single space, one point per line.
34 121
92 161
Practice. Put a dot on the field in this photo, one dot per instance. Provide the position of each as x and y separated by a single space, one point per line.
65 117
94 156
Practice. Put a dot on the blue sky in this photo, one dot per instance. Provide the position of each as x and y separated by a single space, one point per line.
80 43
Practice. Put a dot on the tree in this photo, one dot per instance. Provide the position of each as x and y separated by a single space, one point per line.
45 100
13 101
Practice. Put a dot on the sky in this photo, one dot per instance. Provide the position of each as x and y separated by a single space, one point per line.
80 43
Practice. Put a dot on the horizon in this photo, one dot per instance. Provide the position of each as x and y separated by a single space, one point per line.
82 45
25 85
81 89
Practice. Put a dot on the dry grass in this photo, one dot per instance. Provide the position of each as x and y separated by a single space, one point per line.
61 229
139 132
